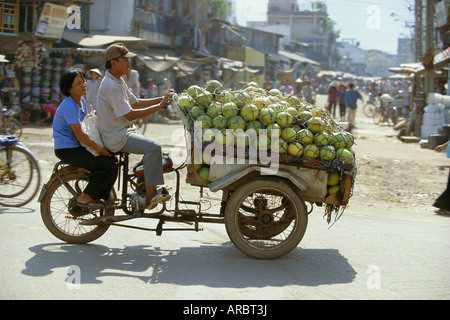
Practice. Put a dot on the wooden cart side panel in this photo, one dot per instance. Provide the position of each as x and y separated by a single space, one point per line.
192 177
342 197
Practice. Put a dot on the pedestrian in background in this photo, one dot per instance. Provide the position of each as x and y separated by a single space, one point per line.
152 91
308 92
298 86
341 98
351 98
443 202
92 87
152 88
132 80
47 113
268 85
287 88
332 98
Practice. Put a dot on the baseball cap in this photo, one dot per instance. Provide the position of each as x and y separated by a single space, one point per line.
117 50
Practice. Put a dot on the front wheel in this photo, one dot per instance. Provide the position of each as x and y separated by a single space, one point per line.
20 177
266 218
62 216
12 127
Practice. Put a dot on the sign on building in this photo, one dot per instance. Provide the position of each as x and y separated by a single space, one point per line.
52 21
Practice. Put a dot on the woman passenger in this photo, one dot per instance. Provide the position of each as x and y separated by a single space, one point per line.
67 134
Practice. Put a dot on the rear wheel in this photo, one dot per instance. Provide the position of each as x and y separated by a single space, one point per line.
392 117
266 218
369 109
378 116
63 217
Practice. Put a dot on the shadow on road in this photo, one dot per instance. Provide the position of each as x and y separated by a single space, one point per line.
209 265
14 210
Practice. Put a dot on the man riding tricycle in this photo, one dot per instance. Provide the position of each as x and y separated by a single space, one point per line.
273 157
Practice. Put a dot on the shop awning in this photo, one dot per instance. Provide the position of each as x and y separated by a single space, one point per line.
250 69
329 73
3 59
298 58
277 58
440 61
163 63
230 64
87 40
402 70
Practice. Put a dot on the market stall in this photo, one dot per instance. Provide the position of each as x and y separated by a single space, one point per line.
422 123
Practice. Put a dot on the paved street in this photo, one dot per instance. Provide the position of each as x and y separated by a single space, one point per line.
372 252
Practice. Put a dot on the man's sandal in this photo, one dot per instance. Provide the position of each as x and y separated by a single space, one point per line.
159 198
442 212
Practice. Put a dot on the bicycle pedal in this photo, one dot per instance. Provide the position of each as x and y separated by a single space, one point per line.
91 222
164 190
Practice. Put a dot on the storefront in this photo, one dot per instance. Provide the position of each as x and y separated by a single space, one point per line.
34 71
418 93
166 70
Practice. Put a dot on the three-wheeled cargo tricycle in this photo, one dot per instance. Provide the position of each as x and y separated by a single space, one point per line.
265 211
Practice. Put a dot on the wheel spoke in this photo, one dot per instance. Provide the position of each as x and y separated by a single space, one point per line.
264 217
62 216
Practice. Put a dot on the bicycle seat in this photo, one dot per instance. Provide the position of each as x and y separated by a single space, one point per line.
8 140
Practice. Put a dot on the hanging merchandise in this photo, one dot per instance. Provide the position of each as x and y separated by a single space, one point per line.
30 60
58 67
68 63
26 85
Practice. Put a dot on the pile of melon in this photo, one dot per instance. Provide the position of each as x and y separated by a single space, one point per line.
305 131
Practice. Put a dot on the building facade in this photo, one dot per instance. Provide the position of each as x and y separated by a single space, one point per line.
312 29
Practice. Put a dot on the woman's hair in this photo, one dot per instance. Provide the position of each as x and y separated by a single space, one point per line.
67 79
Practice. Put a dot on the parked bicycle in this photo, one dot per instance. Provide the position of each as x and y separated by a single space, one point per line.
386 113
371 106
9 125
20 176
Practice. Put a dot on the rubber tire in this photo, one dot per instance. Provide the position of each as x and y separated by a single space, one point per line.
46 213
237 236
34 174
369 109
